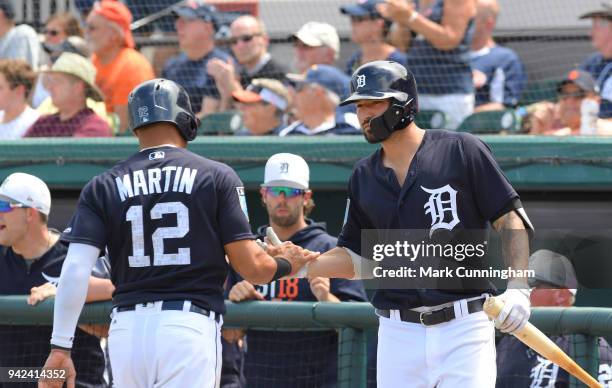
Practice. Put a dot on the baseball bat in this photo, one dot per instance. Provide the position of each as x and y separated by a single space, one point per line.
274 240
538 341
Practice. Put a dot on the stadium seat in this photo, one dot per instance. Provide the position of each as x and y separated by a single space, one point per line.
499 121
540 91
431 119
222 123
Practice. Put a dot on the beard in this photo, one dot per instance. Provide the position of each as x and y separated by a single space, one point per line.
286 220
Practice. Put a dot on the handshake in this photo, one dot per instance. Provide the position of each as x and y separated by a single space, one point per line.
298 257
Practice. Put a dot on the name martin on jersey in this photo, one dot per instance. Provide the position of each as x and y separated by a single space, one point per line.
156 181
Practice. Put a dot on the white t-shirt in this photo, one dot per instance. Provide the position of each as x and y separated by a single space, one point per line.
15 129
21 42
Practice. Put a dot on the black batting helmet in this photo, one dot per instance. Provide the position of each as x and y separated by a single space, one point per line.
382 80
162 100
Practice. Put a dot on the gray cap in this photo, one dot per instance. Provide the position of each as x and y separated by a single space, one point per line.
552 268
605 12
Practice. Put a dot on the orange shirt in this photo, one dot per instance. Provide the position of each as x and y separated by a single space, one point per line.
117 78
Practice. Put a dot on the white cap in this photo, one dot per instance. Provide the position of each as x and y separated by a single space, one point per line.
27 190
287 170
316 34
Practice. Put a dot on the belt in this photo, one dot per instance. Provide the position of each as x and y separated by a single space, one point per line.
175 305
429 318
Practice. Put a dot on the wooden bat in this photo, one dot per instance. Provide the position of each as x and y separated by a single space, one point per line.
272 237
538 341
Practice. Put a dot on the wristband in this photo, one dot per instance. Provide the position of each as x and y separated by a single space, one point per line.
53 346
283 268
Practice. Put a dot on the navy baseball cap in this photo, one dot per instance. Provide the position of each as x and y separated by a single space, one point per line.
196 10
6 6
362 8
330 77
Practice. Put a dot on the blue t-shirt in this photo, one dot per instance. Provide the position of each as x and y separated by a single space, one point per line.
164 214
28 346
192 75
355 60
289 358
454 171
440 72
505 76
601 69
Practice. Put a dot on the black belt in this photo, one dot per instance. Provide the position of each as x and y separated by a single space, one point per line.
173 305
429 318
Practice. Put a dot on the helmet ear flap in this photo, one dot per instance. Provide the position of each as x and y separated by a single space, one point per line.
187 125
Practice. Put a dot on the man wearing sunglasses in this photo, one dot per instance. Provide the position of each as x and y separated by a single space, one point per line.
288 200
566 116
31 259
249 44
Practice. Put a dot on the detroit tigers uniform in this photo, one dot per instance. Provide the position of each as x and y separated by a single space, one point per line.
164 215
459 173
277 359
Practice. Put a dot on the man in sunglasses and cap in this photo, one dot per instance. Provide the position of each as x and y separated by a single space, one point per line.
31 259
288 200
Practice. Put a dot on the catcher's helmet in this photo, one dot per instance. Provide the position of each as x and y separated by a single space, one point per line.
382 80
162 100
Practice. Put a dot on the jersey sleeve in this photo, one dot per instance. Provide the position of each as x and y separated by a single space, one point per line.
87 224
491 189
232 213
354 222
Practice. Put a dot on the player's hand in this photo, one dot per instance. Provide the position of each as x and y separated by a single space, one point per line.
516 311
298 257
38 294
320 288
398 11
232 335
59 359
244 291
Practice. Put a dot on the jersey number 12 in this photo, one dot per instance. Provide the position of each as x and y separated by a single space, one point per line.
135 217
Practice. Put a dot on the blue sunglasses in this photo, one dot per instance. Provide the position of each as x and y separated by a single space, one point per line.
289 192
6 206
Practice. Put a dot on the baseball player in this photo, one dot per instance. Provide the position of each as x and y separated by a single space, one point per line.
432 180
168 218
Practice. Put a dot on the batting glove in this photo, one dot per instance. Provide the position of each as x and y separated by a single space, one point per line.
516 311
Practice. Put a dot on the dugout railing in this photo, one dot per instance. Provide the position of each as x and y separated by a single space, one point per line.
351 319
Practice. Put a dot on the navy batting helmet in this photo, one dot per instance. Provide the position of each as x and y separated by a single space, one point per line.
162 100
386 80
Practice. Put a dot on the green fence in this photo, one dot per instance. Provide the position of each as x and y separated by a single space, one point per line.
531 162
352 319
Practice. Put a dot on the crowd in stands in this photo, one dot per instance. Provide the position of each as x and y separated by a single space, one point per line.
224 63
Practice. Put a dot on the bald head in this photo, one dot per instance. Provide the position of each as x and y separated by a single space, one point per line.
488 8
248 22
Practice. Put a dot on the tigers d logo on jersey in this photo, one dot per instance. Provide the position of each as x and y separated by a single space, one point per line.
442 207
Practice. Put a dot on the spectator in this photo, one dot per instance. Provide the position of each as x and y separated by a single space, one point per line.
599 64
31 257
263 105
16 116
17 42
565 117
119 66
369 30
315 43
439 55
554 286
195 25
315 97
249 43
70 82
60 26
286 359
498 73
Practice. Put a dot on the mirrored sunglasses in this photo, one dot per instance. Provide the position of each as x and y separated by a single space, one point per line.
289 192
6 206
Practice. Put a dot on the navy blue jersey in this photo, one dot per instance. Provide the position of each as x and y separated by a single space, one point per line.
453 180
519 366
192 75
505 76
28 346
601 69
164 215
297 359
